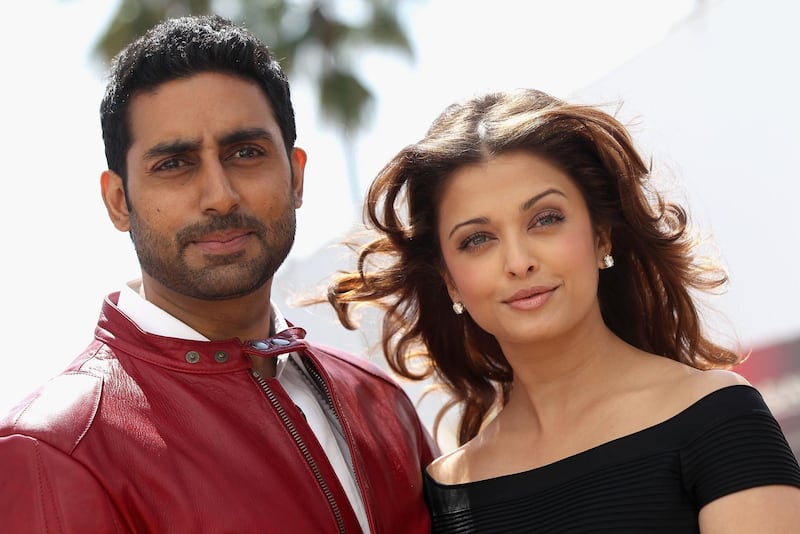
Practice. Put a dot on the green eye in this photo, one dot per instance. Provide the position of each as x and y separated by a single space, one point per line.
547 218
474 240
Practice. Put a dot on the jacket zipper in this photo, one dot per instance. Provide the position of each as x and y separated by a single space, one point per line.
303 448
322 386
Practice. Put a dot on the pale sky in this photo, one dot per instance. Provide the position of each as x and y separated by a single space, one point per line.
62 254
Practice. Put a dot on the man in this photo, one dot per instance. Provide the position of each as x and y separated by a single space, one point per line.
197 408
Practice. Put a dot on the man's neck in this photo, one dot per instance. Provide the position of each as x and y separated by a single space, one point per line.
246 317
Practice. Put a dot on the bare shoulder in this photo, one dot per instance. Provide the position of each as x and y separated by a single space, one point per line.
467 463
450 468
686 389
701 383
668 387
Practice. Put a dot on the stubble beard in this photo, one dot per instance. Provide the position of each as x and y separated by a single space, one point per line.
221 277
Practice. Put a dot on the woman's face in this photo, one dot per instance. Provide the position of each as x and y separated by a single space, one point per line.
520 249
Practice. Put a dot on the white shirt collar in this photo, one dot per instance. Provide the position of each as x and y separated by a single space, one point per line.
154 320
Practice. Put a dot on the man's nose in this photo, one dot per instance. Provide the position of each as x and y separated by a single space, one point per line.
219 193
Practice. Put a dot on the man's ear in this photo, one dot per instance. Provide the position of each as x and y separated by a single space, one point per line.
298 162
114 198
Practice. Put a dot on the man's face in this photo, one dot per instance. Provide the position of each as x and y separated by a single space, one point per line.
211 190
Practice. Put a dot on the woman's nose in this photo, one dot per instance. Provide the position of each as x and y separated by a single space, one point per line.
519 259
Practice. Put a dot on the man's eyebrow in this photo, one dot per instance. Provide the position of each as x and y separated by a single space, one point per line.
178 146
170 148
246 134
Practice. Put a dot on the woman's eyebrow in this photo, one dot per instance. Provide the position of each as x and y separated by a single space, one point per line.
536 198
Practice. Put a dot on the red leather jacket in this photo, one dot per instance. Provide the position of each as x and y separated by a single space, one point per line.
144 433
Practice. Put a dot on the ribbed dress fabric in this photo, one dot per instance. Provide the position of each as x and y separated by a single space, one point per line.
655 480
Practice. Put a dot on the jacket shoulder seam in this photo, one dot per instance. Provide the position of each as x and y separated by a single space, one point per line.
74 422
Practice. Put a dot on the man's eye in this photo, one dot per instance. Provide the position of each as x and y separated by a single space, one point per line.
247 152
170 164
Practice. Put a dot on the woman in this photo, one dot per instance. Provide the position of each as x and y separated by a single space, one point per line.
524 259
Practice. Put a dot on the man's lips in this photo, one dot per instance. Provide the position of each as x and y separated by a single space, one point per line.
223 242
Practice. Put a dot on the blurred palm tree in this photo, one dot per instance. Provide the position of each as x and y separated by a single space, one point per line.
316 39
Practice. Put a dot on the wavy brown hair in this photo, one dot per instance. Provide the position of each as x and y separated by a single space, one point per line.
646 299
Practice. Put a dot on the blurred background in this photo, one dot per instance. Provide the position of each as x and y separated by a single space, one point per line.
707 87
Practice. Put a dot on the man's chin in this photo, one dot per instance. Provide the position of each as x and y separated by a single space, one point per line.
219 283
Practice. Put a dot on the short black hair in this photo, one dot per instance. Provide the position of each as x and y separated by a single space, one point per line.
180 48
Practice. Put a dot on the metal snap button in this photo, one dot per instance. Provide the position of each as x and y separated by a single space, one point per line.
221 356
192 356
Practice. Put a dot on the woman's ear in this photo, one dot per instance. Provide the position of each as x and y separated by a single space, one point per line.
603 244
451 287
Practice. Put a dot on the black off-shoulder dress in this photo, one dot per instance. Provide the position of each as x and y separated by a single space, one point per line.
655 480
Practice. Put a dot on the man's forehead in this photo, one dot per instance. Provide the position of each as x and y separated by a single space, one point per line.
206 106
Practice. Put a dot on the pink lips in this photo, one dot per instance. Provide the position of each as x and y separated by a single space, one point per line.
530 298
223 243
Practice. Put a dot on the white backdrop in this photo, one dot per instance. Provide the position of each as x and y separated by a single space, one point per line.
715 96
